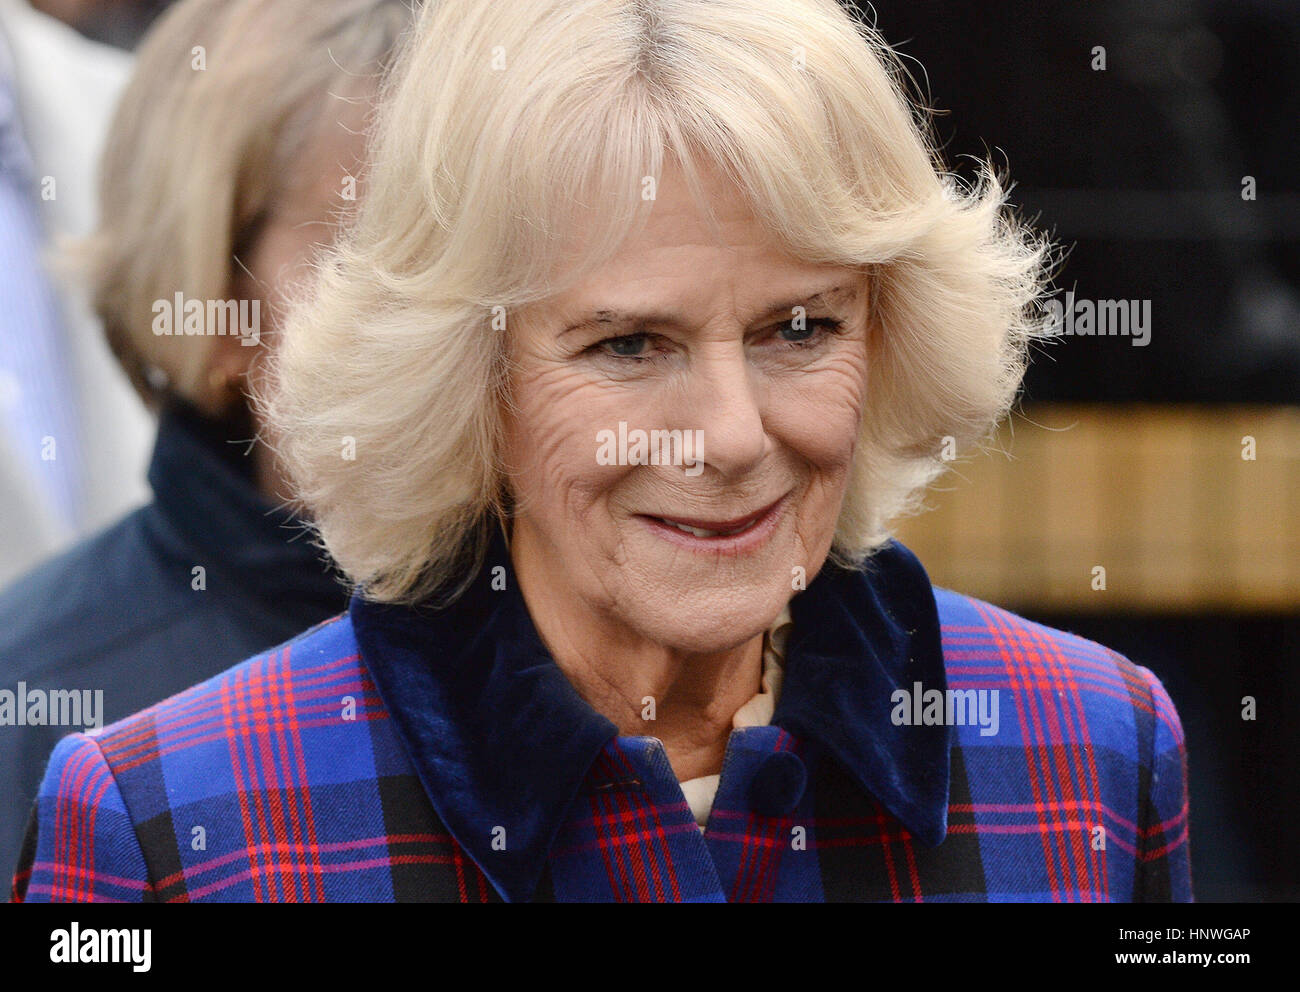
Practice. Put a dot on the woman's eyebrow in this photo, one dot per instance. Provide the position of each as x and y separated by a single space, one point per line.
618 321
632 322
821 298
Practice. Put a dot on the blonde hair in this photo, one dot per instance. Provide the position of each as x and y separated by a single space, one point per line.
508 127
224 96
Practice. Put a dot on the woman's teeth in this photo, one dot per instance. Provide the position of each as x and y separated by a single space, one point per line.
700 532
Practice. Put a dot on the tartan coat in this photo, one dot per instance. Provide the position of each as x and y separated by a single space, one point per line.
412 754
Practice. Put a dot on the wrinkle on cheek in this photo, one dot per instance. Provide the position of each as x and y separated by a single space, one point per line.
820 422
547 407
561 468
815 526
610 577
558 412
819 417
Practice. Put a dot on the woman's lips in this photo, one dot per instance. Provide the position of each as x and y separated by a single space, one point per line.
737 534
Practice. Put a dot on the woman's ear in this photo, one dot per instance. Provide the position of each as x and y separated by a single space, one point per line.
225 384
234 347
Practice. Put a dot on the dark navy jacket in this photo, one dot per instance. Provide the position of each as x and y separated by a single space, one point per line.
121 613
409 754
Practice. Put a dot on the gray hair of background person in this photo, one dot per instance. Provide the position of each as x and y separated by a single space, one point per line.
193 164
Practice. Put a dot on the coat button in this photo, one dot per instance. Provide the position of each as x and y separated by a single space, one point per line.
778 784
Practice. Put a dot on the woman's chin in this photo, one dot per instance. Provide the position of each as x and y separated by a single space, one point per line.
710 621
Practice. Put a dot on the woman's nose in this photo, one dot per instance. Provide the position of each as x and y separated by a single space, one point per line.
723 402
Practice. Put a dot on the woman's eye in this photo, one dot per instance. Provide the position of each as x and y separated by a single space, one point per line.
627 346
801 333
805 330
793 333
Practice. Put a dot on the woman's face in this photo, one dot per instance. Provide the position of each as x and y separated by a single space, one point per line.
304 218
758 356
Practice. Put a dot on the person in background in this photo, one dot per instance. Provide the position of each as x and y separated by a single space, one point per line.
74 436
235 154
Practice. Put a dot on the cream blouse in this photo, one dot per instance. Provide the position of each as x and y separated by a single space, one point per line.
757 712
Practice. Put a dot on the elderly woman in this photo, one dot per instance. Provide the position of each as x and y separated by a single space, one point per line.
655 316
235 148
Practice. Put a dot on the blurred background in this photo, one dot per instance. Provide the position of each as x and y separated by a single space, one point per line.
1146 493
1169 176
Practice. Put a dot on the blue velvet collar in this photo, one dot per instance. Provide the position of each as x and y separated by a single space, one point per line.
499 736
